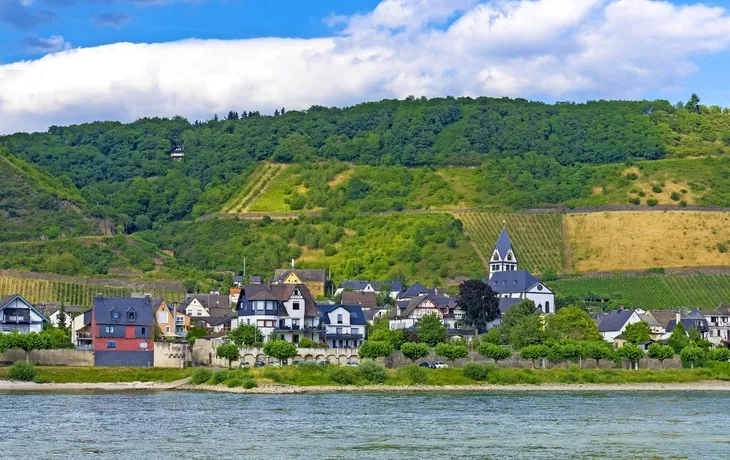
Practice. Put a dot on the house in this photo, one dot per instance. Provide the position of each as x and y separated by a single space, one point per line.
656 328
343 325
71 311
178 153
314 279
371 314
17 314
718 321
362 299
81 331
283 311
254 279
121 330
415 290
171 321
406 313
612 324
233 295
693 320
393 286
237 280
199 305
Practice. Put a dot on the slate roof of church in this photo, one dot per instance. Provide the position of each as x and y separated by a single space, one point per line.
510 282
503 244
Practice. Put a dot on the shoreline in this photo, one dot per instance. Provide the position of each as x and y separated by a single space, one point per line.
281 389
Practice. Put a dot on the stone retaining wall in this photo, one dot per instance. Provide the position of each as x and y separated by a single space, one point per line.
61 357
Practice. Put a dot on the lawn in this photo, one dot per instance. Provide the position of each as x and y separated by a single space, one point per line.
63 374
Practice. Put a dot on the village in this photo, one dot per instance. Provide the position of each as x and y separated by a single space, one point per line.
145 331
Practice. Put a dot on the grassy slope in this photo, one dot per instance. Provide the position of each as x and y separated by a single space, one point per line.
650 292
62 374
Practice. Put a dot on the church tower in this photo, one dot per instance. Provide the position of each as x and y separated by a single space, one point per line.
503 257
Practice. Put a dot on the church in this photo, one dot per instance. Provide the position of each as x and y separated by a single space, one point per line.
513 285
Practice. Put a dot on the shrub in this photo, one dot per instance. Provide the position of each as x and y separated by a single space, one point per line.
249 383
719 354
494 352
201 376
343 375
674 196
234 383
683 203
632 176
330 250
722 247
372 371
656 189
636 201
416 374
414 351
220 377
306 343
642 194
692 355
478 372
22 371
273 375
652 202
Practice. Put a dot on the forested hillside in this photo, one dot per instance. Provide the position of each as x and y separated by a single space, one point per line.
347 164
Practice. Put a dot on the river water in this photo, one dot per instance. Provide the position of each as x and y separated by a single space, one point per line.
534 425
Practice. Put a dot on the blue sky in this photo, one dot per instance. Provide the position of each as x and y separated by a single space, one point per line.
65 61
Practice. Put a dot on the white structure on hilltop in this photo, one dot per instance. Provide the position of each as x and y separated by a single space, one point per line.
511 283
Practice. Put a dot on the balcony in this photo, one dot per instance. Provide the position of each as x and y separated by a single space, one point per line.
341 336
16 319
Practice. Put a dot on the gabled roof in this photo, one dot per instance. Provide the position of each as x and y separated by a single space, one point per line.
304 275
613 321
357 318
415 290
409 307
5 300
362 299
355 285
280 293
395 285
510 282
103 307
505 303
503 244
208 301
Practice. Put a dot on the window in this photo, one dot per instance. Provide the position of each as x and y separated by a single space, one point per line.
496 257
509 256
131 315
259 306
295 324
547 307
355 330
162 317
115 315
296 291
539 287
295 305
339 331
109 329
143 346
339 318
143 331
167 329
295 338
111 345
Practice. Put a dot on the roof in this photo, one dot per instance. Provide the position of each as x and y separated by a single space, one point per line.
503 244
220 316
53 307
103 307
280 293
363 299
505 303
510 282
9 298
416 290
304 275
650 320
395 285
613 321
238 279
409 306
207 300
355 285
357 318
255 279
370 313
663 317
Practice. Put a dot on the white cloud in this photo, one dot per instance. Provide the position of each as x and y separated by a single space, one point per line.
39 45
528 48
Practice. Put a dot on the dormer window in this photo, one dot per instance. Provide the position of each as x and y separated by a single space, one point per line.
131 315
509 256
115 315
296 291
496 256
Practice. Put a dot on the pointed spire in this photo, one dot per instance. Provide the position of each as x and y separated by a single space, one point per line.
503 243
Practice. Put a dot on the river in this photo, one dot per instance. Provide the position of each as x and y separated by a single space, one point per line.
550 425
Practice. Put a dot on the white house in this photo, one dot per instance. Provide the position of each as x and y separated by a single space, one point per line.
284 311
406 314
510 283
370 286
613 324
718 321
342 325
199 305
71 312
17 314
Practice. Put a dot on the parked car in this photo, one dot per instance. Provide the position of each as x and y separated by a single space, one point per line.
353 363
440 365
325 362
259 364
244 365
297 362
428 364
275 363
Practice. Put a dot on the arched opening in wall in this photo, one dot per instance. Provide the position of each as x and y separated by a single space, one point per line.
309 357
539 306
332 359
342 359
547 306
320 357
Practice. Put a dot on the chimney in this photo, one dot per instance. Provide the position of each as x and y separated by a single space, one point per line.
292 264
678 318
621 308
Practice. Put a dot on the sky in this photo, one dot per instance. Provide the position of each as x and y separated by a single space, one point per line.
73 61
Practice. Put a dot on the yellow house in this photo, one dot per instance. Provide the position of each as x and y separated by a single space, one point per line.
314 279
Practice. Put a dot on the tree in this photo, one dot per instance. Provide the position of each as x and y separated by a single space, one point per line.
479 303
694 335
227 351
451 352
719 354
62 317
495 352
678 340
693 355
630 352
384 298
415 351
527 331
661 352
371 349
493 335
431 330
245 335
572 323
693 104
280 349
565 351
597 351
533 352
637 332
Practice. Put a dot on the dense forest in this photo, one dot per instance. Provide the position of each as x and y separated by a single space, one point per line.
93 178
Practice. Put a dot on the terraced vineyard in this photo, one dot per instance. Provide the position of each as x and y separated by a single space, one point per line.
650 292
44 290
262 177
537 238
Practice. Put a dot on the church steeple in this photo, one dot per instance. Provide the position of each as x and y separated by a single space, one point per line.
503 257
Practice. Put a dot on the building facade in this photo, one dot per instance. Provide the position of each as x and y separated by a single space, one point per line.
122 329
342 326
17 314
